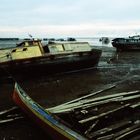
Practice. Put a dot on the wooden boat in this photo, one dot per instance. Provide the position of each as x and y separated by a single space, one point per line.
78 119
127 44
31 56
43 117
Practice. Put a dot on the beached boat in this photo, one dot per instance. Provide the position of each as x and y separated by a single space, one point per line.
44 118
127 44
78 119
31 56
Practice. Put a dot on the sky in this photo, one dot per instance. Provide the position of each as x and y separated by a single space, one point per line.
69 18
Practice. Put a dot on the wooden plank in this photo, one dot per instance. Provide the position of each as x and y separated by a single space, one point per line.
130 97
107 137
135 105
90 128
121 134
103 114
127 134
13 115
84 97
116 99
109 129
79 104
10 120
84 106
8 110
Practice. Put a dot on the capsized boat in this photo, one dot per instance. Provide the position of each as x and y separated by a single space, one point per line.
78 119
131 43
31 56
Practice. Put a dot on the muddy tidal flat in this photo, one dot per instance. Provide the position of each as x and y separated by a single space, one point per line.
119 69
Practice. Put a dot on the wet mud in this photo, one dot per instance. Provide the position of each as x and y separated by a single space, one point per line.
122 70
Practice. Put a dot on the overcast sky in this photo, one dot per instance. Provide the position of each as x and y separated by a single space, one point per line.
63 18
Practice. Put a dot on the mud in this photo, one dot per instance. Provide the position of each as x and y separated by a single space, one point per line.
122 69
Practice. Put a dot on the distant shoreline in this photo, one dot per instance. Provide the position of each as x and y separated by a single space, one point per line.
6 39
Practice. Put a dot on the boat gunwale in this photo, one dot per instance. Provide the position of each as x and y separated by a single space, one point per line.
48 119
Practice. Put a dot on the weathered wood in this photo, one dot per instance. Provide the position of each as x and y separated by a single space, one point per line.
135 105
81 98
13 115
127 130
90 128
103 114
99 100
121 134
107 137
102 102
85 106
109 129
8 110
10 120
126 135
130 97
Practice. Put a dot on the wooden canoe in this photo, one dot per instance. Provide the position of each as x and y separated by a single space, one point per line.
44 118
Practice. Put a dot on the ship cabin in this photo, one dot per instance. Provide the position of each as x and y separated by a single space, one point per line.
34 48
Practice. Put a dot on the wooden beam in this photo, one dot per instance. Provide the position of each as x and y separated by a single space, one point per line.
114 127
81 98
8 110
94 101
103 114
10 120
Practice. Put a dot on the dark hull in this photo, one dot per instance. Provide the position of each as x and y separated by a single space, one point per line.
126 46
52 64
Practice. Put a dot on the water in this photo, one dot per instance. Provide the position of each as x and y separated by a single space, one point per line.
92 41
96 41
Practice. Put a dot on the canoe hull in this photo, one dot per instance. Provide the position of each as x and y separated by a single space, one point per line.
47 122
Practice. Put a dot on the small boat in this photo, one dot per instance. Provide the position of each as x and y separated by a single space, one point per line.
31 56
79 119
131 43
50 123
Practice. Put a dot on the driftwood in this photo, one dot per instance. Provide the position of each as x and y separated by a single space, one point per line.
10 119
135 105
85 106
124 96
10 115
90 128
126 135
131 97
108 137
103 114
13 115
79 99
109 129
123 133
9 110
